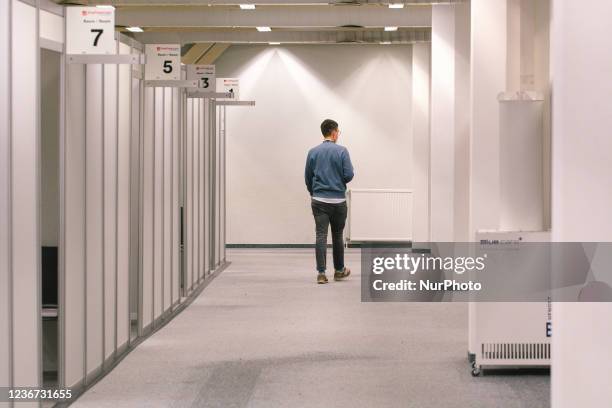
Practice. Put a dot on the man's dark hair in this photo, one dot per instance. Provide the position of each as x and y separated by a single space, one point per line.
328 126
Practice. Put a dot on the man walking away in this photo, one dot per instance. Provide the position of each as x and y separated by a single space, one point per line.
328 170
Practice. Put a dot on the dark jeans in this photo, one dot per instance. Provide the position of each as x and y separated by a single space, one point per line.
324 215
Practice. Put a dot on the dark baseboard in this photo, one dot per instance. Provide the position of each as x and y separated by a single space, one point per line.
349 245
270 246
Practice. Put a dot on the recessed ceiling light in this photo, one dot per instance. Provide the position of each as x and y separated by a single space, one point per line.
396 5
105 6
260 29
274 43
247 7
390 28
134 29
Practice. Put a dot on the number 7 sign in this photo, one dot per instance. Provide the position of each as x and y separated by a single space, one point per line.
90 30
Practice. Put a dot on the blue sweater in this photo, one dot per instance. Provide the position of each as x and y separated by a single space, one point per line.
328 169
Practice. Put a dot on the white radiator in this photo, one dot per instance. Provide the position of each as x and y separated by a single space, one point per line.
380 215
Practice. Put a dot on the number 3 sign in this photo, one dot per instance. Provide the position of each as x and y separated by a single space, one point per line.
90 30
163 62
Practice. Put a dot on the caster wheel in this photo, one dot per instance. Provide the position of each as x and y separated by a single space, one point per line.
476 372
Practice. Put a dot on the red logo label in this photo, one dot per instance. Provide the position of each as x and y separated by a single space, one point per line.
84 12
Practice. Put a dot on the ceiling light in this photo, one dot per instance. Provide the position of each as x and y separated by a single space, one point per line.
274 43
261 29
385 42
396 5
389 28
134 29
105 6
247 7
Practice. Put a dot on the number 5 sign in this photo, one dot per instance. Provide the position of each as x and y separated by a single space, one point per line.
90 30
163 61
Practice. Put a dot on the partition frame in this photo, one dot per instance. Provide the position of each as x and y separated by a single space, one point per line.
61 307
91 375
106 363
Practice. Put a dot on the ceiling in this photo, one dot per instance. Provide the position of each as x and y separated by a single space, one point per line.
207 28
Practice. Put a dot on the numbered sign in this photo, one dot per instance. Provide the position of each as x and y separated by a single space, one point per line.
205 74
163 62
231 85
90 30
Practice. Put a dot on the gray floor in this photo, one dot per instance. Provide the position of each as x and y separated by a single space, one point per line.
264 335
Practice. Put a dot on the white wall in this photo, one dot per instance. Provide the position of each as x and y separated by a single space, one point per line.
488 79
581 193
367 89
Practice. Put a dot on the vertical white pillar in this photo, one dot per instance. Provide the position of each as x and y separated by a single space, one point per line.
442 156
581 197
421 55
488 43
449 168
488 79
461 205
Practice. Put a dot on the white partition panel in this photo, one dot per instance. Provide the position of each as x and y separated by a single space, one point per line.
197 125
217 189
167 200
95 209
110 206
207 195
135 211
147 208
205 192
158 190
5 201
25 247
94 215
175 220
211 184
223 167
74 227
189 195
201 185
160 241
123 199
